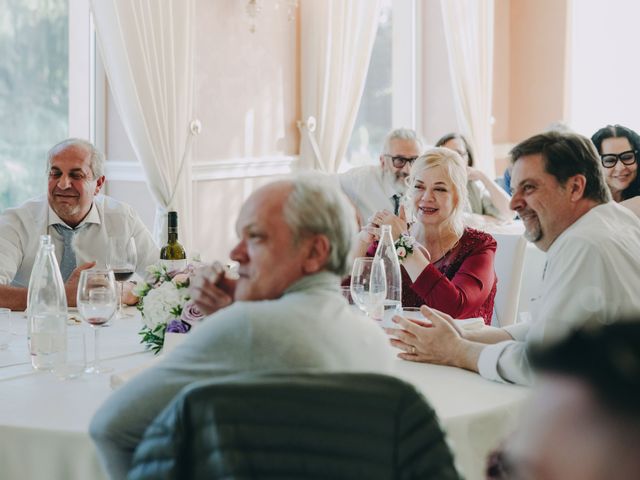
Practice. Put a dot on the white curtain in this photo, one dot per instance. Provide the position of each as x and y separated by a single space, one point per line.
336 42
468 26
147 50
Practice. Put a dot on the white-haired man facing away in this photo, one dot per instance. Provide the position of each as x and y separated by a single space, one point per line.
284 312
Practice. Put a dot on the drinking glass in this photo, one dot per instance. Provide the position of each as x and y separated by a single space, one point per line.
369 285
346 294
122 259
97 303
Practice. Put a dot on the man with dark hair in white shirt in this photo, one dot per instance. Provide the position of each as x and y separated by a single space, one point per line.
591 273
79 221
372 188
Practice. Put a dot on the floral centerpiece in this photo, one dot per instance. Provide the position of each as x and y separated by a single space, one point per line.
165 304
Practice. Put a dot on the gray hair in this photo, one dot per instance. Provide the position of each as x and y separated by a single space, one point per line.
316 205
456 169
96 161
401 134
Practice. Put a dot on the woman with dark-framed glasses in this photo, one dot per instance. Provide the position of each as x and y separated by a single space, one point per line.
619 147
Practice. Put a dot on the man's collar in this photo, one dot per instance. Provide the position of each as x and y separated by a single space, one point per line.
91 217
318 280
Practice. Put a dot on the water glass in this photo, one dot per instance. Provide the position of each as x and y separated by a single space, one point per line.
346 293
369 286
97 302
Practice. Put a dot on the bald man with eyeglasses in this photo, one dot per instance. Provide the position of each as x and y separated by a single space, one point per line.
372 188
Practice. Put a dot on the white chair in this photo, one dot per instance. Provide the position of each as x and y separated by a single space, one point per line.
509 263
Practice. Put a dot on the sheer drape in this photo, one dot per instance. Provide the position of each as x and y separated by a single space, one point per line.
147 49
336 42
468 26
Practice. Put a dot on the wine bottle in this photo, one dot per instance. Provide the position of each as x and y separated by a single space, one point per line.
172 254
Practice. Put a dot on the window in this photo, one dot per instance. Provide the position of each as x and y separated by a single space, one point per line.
603 82
374 116
34 93
389 98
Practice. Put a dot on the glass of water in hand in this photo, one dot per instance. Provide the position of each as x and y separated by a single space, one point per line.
97 302
369 285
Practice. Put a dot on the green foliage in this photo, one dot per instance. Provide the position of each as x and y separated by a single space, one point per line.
153 339
34 93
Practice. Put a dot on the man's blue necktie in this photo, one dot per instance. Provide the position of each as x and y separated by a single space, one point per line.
68 262
396 204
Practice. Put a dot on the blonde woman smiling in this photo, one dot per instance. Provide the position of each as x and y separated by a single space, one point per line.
451 267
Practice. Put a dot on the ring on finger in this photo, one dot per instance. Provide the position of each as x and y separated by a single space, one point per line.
412 350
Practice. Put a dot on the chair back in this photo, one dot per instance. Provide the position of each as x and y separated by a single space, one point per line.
304 425
508 264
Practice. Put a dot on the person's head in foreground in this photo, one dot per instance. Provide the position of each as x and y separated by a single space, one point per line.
556 179
401 147
619 147
289 229
584 418
76 175
438 190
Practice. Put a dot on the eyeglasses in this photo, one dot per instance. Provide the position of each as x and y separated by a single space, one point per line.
400 162
609 160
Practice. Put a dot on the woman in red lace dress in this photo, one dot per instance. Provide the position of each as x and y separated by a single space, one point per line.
452 268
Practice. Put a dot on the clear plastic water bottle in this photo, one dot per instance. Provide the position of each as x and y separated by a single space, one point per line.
386 252
46 309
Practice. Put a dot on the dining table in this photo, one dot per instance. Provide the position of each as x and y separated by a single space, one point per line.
44 419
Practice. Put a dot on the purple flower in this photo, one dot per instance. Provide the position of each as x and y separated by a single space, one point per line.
178 326
191 313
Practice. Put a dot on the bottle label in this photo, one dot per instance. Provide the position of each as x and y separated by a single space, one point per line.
173 265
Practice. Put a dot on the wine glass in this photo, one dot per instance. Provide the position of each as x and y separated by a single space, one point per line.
97 303
369 285
122 260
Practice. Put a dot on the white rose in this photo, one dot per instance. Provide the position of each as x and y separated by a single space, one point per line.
159 302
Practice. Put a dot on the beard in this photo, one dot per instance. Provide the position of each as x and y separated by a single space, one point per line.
532 228
397 179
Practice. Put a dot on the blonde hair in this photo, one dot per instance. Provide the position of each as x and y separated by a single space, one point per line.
456 170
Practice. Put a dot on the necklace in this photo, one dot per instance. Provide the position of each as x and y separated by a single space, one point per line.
444 246
442 252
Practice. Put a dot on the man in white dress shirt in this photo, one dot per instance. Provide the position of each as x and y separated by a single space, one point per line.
372 188
592 269
79 221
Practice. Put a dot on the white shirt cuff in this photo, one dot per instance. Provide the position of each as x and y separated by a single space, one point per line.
518 331
488 360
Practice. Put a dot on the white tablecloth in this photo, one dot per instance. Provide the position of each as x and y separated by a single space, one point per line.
44 420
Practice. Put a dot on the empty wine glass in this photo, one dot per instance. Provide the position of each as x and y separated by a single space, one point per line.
369 285
97 303
122 259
